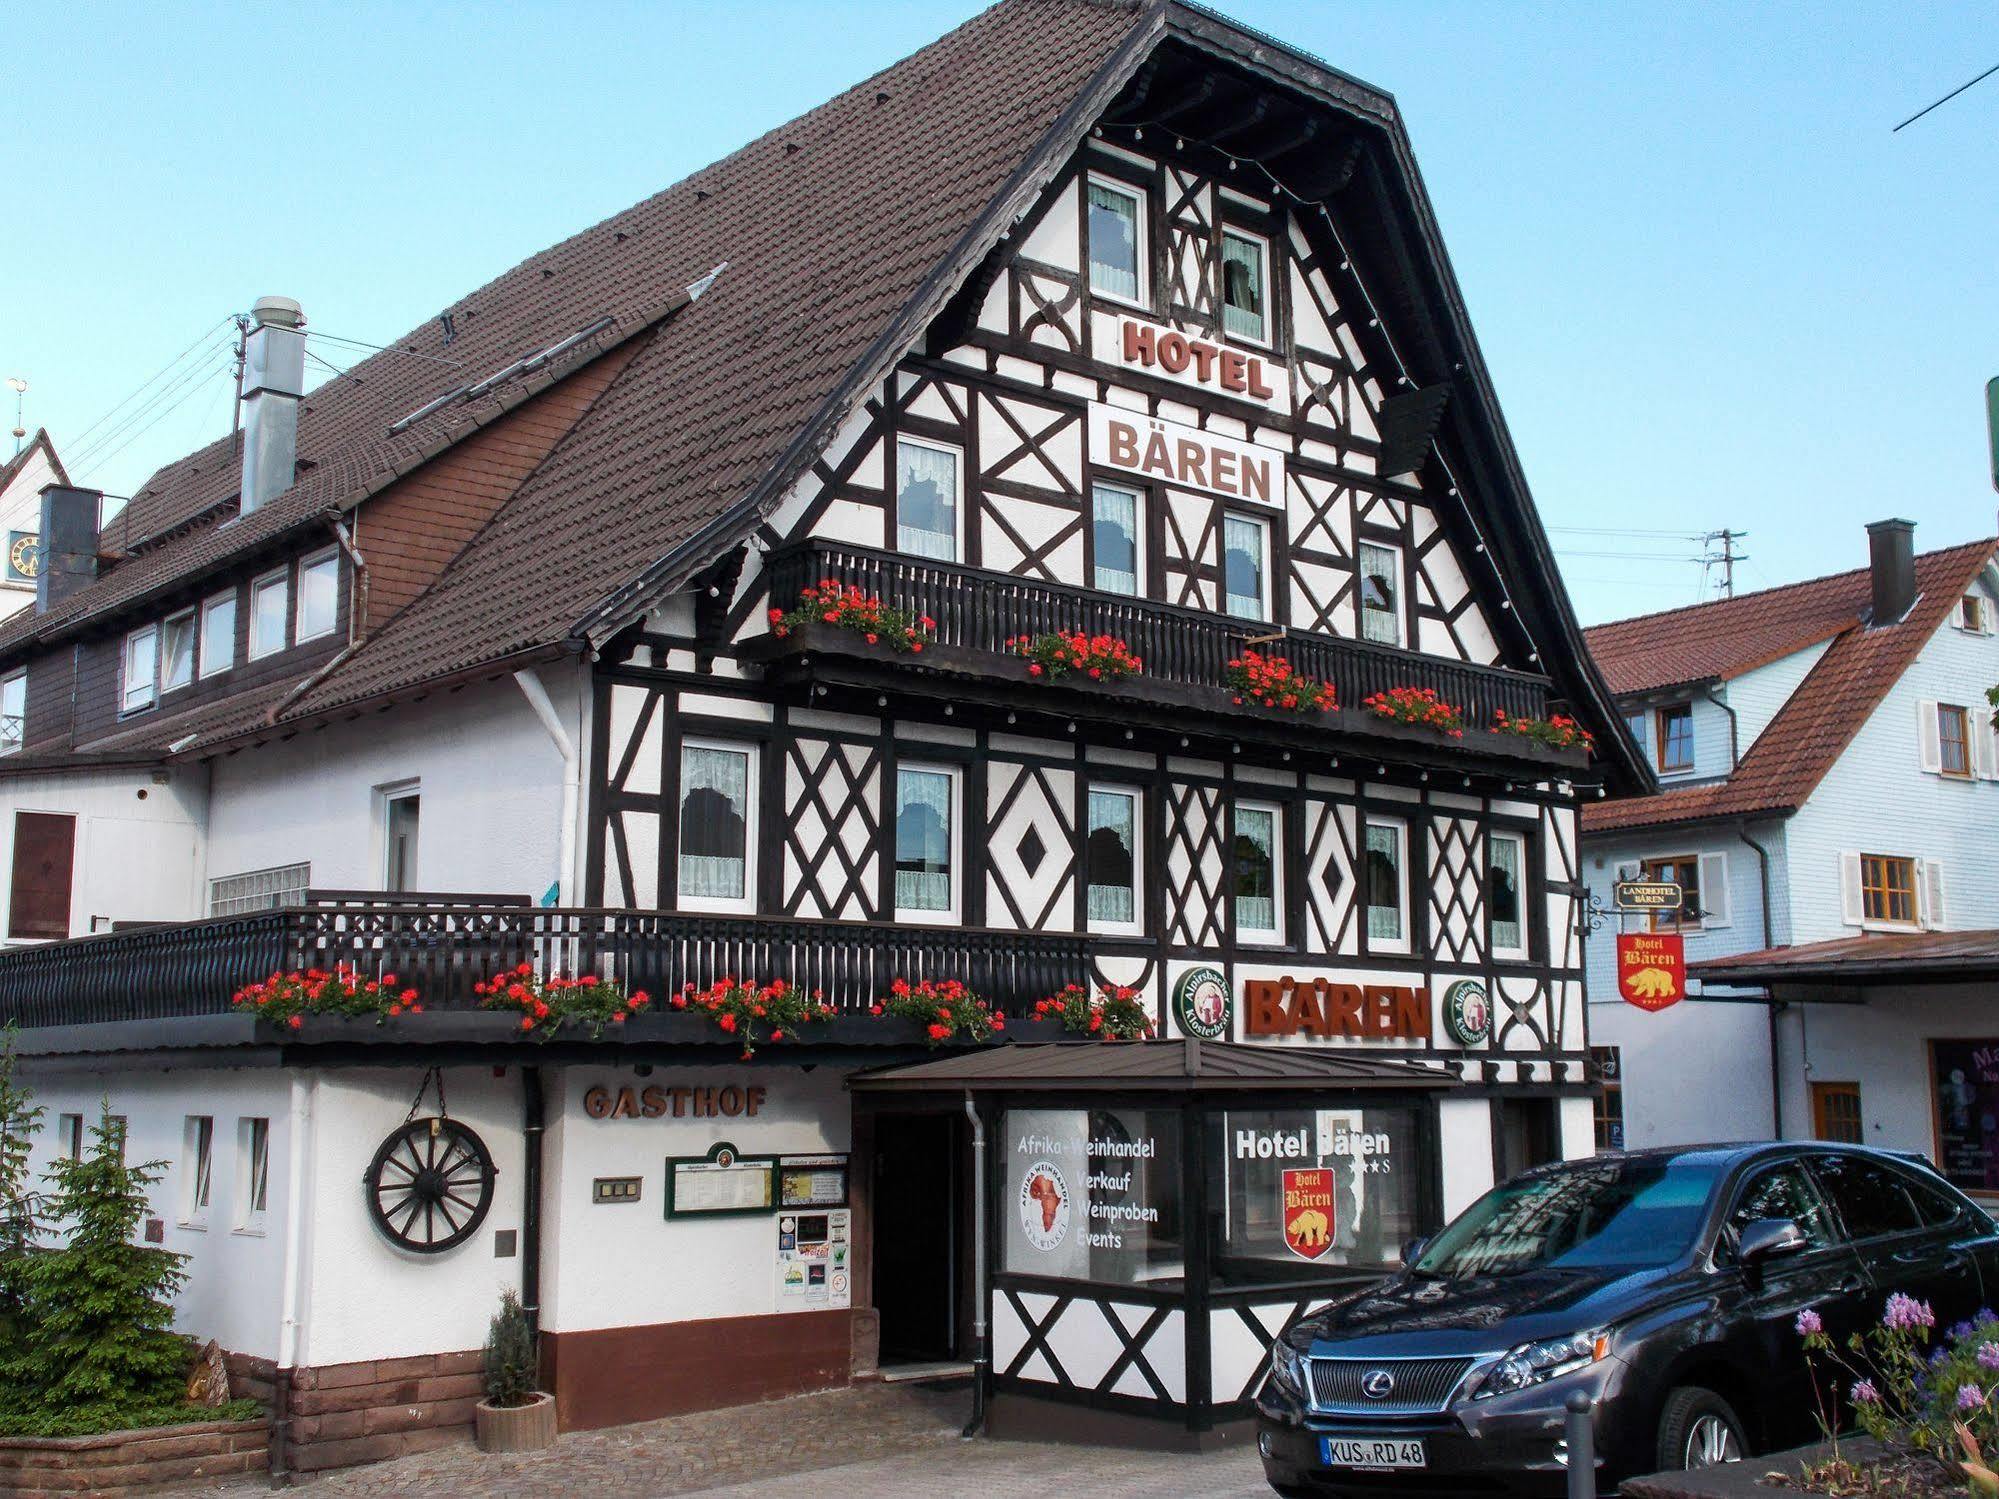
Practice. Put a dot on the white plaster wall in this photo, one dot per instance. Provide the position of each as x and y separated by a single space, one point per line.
627 1264
138 843
1578 1125
235 1274
491 782
21 510
1878 799
1700 1070
366 1298
1464 1138
1884 1046
1756 696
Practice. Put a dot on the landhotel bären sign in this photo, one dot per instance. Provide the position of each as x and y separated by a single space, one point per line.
1646 895
1651 969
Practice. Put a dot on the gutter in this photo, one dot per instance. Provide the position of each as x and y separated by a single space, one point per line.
1769 941
1734 734
534 1125
981 1351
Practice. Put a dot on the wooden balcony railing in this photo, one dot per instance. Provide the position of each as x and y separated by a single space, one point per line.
442 950
979 610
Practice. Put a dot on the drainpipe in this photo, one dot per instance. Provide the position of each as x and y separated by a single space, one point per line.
357 629
293 1294
533 1125
981 1353
1769 941
537 695
1734 732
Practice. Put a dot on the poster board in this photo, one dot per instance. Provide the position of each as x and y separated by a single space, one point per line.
812 1181
1964 1087
719 1183
814 1260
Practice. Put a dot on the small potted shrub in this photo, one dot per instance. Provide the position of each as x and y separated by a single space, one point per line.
515 1416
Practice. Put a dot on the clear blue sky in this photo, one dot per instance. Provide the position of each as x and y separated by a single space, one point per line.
1713 288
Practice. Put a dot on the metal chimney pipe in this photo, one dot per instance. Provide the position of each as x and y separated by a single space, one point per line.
1891 560
273 382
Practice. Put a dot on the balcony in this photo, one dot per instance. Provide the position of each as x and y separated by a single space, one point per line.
1185 653
442 945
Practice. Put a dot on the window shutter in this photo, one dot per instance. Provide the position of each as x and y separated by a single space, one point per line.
1929 877
1852 912
1985 733
1715 899
1926 735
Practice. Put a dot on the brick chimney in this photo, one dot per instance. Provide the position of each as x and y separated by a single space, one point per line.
273 382
1891 559
68 543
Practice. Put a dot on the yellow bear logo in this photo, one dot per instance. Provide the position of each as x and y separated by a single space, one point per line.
1308 1228
1652 983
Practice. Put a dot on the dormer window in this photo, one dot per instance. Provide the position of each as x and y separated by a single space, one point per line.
1117 241
139 684
1973 616
318 596
1674 735
177 651
1245 286
270 603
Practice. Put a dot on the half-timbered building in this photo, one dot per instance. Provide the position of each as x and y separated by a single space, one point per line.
1099 319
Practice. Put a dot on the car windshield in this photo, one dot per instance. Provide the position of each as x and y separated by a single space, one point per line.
1624 1214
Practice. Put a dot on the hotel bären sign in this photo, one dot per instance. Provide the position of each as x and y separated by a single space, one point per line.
1651 969
1319 1007
1184 456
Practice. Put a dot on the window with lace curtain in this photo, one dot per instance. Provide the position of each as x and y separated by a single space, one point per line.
1257 874
1380 593
1244 279
1387 886
1117 241
1110 859
717 826
926 500
926 843
1245 564
1114 539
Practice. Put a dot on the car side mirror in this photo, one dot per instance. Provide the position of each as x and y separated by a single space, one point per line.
1769 1239
1412 1250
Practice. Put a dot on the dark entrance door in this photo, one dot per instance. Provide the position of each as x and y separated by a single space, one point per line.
917 1203
1529 1134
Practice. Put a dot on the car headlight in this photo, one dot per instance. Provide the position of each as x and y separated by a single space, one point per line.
1534 1363
1287 1368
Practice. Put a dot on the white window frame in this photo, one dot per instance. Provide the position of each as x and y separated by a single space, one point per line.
329 557
14 718
1262 243
69 1137
188 618
205 666
127 703
386 798
1517 953
1272 935
1981 623
949 916
1138 537
250 1217
1141 242
1399 613
1265 606
197 1188
1660 739
1400 828
957 557
280 578
1136 926
747 901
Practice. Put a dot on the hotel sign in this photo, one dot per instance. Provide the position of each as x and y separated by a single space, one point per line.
1187 360
1651 969
1646 895
1184 456
1317 1007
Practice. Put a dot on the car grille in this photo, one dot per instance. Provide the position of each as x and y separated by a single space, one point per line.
1418 1384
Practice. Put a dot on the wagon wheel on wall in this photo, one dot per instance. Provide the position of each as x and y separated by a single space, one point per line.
430 1185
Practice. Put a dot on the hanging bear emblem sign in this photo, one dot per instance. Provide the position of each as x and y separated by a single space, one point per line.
1309 1216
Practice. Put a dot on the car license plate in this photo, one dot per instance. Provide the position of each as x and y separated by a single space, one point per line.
1371 1452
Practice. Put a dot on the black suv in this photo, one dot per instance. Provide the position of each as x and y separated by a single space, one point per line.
1665 1284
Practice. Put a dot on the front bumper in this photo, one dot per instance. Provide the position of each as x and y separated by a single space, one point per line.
1510 1444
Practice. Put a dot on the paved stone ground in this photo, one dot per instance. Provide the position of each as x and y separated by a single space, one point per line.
878 1440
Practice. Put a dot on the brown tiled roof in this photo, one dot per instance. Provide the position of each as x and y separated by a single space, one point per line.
1877 957
1793 753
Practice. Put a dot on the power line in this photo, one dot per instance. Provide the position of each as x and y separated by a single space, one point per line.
199 345
1633 531
1948 97
191 387
1628 556
85 452
457 364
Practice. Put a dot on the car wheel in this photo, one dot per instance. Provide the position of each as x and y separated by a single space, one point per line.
1698 1429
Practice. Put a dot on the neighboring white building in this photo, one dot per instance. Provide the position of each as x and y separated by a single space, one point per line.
469 662
22 480
1829 772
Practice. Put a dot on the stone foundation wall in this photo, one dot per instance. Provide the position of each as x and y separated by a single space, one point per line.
362 1413
124 1461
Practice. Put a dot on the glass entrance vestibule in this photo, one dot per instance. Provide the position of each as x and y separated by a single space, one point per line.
1156 1212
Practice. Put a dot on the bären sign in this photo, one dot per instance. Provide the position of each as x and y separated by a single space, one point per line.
1318 1007
1651 969
1183 456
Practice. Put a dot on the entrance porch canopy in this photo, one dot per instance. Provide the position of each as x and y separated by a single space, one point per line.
1836 970
1181 1066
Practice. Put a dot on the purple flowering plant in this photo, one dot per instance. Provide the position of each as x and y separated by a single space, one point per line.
1930 1404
